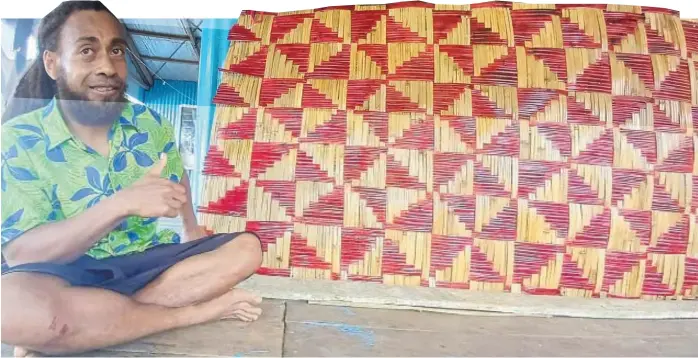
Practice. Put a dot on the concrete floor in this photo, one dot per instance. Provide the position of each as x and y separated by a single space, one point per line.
297 329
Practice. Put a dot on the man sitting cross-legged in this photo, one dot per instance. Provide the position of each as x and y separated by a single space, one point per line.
84 180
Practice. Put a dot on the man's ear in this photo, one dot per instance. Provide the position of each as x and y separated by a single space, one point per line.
50 63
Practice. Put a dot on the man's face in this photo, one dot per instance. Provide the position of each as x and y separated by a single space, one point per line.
90 67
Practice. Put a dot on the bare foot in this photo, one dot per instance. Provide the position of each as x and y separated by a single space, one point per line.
234 304
22 352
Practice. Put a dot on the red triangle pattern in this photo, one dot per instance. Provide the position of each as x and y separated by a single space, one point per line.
312 98
269 231
463 206
444 249
282 25
359 159
676 86
559 135
291 118
461 55
533 174
488 184
641 65
645 141
233 203
482 35
363 22
397 102
657 44
252 65
481 269
275 88
624 107
308 171
533 100
465 126
328 210
337 67
418 68
445 22
580 192
399 176
446 165
321 33
691 276
242 129
557 215
662 200
376 199
378 122
445 94
483 106
282 191
296 53
573 276
680 160
418 217
618 264
241 33
554 59
217 164
640 222
333 131
305 256
501 72
420 135
264 155
359 91
596 77
620 25
394 262
690 31
653 285
503 225
506 143
228 95
598 152
396 32
378 54
595 235
527 23
674 241
573 36
624 181
356 242
530 258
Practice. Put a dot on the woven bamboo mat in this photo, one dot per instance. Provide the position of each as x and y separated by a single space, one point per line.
545 149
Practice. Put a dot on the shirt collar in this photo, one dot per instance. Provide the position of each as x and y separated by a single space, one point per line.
58 133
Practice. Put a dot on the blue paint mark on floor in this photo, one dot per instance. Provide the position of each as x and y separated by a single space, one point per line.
250 353
366 335
348 311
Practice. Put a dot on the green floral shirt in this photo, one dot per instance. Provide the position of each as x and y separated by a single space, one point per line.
48 175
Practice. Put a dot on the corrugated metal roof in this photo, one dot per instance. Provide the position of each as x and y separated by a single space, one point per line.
150 37
166 97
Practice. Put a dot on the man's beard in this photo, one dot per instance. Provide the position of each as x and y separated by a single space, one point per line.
88 112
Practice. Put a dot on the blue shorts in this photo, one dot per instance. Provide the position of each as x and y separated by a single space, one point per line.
125 274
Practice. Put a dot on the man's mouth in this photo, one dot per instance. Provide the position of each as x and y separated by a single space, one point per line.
104 89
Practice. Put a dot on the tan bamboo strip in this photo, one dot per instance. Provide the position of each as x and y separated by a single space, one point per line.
501 255
239 51
337 20
591 262
527 6
579 59
330 158
399 200
360 132
497 19
446 70
625 155
504 97
670 28
447 140
693 73
459 271
326 239
398 123
247 86
533 228
399 53
583 136
420 164
599 178
261 206
371 264
259 24
419 92
487 208
335 90
357 212
459 35
692 250
624 8
416 246
580 216
600 105
447 222
322 52
270 130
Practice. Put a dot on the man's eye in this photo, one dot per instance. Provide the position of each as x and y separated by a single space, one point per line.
86 51
118 51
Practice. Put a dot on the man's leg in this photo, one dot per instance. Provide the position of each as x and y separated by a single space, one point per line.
208 275
43 313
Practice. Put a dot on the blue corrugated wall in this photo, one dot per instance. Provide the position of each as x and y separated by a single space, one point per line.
165 97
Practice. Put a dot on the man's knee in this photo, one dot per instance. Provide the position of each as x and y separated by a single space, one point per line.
32 315
247 246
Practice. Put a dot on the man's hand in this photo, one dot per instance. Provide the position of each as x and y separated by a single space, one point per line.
153 196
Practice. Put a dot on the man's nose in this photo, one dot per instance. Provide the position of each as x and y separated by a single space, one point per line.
105 65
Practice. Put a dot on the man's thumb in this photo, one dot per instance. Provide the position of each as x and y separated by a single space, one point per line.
159 166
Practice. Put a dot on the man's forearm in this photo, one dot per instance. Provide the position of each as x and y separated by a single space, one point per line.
65 241
187 211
